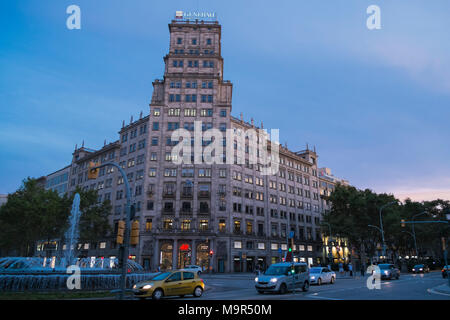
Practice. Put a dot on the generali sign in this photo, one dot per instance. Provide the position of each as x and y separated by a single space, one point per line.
195 15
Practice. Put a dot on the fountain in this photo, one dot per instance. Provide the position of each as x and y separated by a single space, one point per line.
44 274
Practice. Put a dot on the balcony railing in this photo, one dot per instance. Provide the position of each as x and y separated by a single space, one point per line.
204 194
204 211
168 194
186 211
168 211
186 195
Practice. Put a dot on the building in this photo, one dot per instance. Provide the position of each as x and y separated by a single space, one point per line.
338 246
3 199
223 217
58 181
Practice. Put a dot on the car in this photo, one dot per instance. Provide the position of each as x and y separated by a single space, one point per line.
389 271
283 277
445 269
172 283
420 268
319 275
195 268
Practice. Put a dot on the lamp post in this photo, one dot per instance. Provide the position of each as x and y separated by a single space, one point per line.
414 232
381 225
372 226
414 237
126 244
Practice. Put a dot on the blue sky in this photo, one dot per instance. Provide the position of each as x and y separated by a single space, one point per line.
375 103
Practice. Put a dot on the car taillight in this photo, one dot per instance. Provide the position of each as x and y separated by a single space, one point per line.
201 280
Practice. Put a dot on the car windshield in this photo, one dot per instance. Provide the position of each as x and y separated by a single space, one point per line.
315 270
276 271
418 266
384 266
161 276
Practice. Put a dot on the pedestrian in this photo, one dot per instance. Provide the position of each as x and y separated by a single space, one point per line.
350 269
341 268
362 269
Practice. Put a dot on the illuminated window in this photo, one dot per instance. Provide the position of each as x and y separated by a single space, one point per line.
186 224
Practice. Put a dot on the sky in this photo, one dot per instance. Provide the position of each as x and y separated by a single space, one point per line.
374 103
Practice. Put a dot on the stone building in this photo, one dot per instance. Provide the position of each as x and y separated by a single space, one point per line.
227 217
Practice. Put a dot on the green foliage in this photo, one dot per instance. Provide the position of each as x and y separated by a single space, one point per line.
353 210
33 213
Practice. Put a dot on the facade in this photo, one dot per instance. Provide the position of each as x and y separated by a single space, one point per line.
337 246
58 181
3 199
223 217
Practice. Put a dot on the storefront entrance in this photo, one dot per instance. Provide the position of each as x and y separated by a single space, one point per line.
165 257
184 255
202 258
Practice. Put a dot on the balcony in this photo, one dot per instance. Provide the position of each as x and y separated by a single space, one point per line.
204 194
186 195
168 211
204 211
169 194
186 211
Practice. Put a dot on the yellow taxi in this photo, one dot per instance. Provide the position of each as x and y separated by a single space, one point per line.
171 283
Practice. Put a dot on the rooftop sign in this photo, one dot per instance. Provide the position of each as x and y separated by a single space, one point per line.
196 15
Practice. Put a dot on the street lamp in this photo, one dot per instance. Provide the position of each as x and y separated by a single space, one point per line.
414 237
372 226
381 225
414 232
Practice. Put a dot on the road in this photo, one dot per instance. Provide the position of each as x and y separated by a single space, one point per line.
408 287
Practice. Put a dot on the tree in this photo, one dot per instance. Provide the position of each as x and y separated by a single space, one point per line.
93 224
30 214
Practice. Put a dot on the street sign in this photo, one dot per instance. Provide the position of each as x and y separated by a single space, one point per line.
279 250
291 234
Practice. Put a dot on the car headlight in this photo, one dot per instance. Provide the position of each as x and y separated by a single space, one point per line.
273 280
256 279
134 286
147 286
386 272
420 269
312 277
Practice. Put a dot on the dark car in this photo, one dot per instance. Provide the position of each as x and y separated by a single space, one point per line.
445 271
420 268
389 271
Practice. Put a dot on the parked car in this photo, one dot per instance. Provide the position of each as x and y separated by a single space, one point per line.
195 268
420 268
389 271
172 283
319 275
444 271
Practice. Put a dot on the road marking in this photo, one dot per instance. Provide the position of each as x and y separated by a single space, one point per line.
437 292
315 296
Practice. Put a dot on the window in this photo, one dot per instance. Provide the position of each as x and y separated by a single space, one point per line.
203 225
148 225
222 225
237 244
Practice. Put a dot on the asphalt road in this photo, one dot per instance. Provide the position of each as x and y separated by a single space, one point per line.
408 287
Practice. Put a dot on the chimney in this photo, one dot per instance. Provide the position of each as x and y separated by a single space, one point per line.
252 122
262 126
242 117
140 116
123 123
131 120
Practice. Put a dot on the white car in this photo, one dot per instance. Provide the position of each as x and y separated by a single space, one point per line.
196 269
319 275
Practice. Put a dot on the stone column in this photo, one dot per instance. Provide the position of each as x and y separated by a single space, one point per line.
156 253
194 252
175 254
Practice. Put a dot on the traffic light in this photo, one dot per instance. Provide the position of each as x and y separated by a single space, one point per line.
403 223
211 252
92 173
289 252
120 231
134 233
